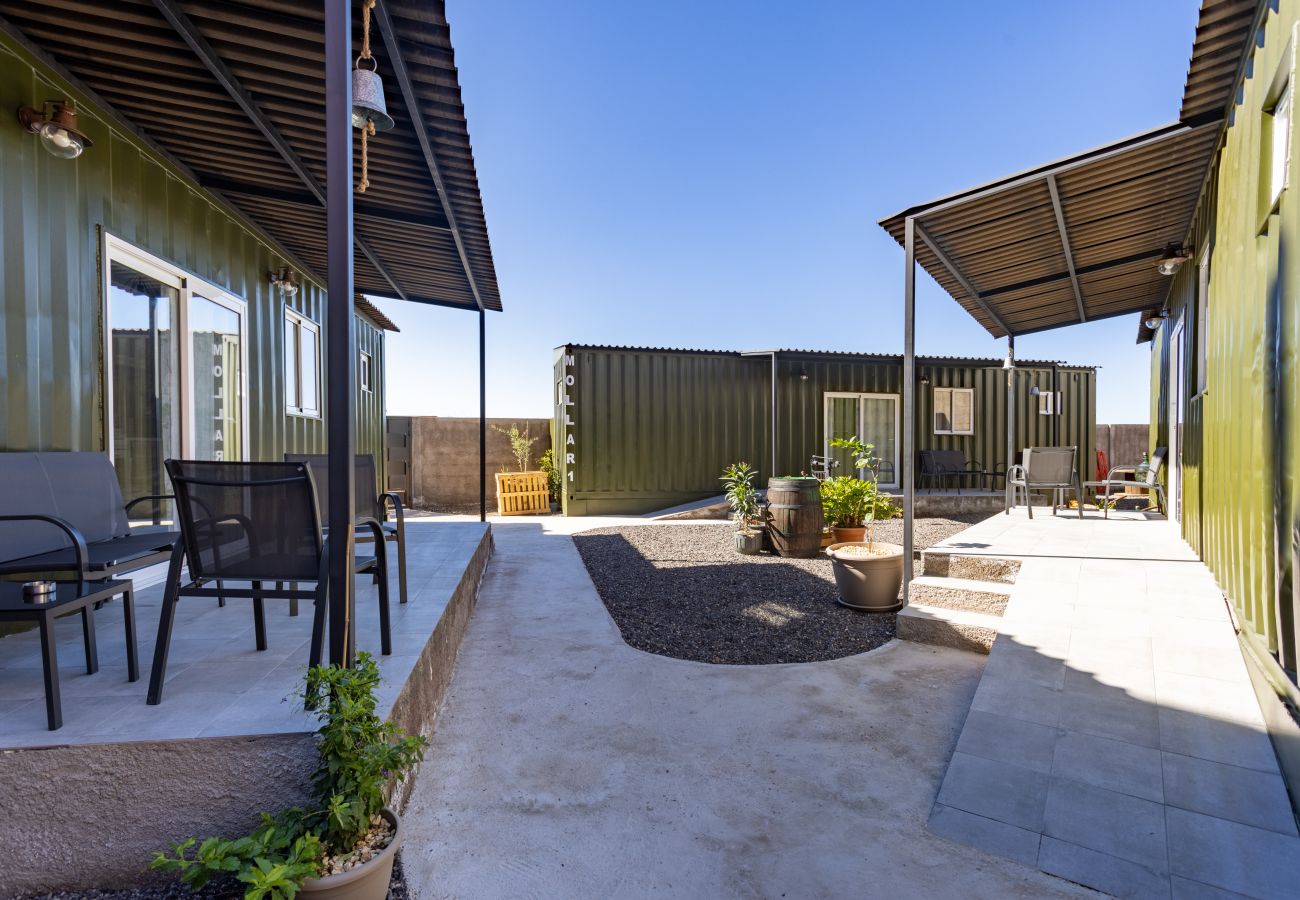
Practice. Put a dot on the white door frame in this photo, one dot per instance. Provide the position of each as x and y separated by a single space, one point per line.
1177 387
187 285
860 396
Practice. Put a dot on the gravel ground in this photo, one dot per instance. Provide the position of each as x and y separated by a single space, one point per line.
231 890
683 591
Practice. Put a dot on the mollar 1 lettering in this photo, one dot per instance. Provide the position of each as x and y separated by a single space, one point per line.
218 404
570 445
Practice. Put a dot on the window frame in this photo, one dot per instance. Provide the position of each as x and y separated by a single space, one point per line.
1203 273
934 411
1280 95
859 396
295 324
365 370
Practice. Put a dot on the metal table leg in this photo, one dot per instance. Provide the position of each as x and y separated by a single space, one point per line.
50 669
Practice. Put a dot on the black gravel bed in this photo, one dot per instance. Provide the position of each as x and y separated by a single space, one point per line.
683 591
174 890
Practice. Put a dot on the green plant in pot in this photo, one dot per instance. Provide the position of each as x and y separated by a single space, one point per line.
742 497
554 483
343 843
868 574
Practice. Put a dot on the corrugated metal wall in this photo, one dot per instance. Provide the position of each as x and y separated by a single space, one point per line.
52 215
648 429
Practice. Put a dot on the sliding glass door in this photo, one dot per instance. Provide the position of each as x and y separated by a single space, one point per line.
873 419
176 366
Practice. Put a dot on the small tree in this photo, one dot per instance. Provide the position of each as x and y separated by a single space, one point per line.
546 462
521 443
738 479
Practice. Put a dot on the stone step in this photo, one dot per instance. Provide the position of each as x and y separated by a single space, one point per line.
957 628
960 593
962 565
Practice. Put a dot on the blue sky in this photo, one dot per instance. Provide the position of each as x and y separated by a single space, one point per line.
709 174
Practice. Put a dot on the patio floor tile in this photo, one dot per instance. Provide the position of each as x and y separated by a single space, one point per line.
989 835
1016 741
1018 699
995 790
1105 763
1108 822
1232 856
1230 792
1206 737
1120 877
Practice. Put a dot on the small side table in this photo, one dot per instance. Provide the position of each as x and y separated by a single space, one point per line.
65 599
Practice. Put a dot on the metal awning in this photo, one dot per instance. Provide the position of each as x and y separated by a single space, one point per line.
232 92
1070 241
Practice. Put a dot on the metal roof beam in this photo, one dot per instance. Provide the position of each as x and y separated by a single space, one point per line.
961 279
212 61
1065 245
398 62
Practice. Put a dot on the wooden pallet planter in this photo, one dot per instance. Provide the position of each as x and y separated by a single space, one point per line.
522 493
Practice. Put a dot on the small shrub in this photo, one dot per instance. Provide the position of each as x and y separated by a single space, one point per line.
554 484
521 443
742 496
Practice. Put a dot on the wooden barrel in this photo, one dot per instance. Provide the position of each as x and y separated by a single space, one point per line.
795 511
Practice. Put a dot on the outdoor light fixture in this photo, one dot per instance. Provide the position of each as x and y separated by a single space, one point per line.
1172 259
1010 362
56 123
925 379
285 279
803 374
1153 322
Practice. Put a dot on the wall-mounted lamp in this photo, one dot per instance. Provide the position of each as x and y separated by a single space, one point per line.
925 378
803 374
1153 322
1034 392
56 123
285 279
1172 259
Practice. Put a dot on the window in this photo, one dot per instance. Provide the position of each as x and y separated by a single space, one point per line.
301 365
1049 404
1202 321
363 372
1279 145
954 411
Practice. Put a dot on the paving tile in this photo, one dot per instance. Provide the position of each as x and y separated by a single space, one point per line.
1010 659
1206 737
1008 740
1207 662
1196 632
1105 763
1098 651
995 790
1232 701
988 835
1102 872
1110 621
1137 683
1111 713
1232 856
1230 792
1108 822
1186 889
1018 699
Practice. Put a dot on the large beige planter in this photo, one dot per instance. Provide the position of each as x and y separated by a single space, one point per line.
523 493
869 583
368 881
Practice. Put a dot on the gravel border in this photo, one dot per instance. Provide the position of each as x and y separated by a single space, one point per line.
682 591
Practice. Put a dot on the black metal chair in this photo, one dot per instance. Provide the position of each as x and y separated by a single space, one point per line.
942 465
252 523
369 502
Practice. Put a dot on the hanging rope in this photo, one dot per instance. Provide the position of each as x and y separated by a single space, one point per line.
370 126
365 162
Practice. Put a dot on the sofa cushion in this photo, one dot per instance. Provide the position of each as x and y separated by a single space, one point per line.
79 487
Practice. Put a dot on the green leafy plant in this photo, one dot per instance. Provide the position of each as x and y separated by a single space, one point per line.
849 502
360 755
742 496
554 484
521 443
861 452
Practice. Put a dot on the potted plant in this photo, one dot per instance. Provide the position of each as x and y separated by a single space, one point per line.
554 484
742 496
343 844
524 491
868 573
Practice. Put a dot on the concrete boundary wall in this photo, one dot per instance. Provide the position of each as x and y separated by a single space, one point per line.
444 464
1123 444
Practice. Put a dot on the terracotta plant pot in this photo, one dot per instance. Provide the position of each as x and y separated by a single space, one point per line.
869 583
749 542
368 881
828 538
849 535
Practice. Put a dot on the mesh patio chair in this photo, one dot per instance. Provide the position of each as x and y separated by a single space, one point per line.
370 504
1151 482
1045 469
942 465
250 523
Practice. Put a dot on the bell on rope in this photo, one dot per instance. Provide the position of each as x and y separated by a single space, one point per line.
368 99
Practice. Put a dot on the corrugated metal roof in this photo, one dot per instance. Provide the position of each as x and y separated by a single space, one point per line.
850 354
373 313
1077 239
150 63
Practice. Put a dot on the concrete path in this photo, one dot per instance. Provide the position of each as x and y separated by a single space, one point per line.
1115 739
566 764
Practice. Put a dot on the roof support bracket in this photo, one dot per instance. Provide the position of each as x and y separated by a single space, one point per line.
1065 245
961 278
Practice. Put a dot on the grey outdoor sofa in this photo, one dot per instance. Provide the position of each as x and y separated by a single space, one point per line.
59 494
